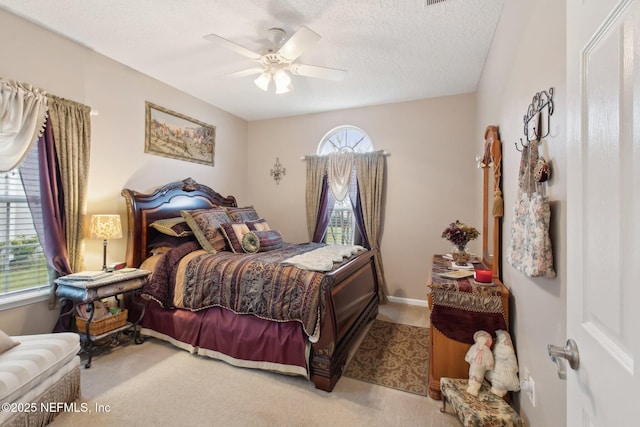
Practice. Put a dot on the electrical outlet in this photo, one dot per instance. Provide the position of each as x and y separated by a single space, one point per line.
531 392
528 386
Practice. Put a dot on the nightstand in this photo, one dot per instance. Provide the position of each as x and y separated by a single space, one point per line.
129 280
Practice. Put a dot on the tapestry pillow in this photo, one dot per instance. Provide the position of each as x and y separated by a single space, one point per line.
205 224
158 251
150 263
6 342
247 213
260 225
176 227
162 243
262 241
234 232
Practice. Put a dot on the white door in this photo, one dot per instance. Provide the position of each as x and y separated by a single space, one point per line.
603 211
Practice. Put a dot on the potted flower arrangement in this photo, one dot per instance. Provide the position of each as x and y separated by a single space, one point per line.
460 234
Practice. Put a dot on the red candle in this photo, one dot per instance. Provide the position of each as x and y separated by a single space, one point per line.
483 276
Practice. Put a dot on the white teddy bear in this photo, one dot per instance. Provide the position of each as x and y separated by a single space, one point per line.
480 360
504 376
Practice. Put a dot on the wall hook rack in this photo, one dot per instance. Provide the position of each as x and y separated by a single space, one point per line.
541 101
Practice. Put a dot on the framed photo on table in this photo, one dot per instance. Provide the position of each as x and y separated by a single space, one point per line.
174 135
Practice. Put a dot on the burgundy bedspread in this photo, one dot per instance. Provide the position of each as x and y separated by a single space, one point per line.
187 277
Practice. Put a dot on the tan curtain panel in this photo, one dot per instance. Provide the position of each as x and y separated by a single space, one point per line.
370 170
71 125
23 111
316 167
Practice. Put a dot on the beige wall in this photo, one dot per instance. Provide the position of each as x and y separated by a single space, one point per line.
36 56
528 56
431 176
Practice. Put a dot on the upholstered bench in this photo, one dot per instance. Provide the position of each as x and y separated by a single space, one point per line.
486 409
39 374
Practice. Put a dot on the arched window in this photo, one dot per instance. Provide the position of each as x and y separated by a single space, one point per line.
343 139
342 227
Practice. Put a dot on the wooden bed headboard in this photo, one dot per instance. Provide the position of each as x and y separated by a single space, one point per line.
165 202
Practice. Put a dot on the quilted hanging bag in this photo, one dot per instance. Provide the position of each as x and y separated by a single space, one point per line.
529 249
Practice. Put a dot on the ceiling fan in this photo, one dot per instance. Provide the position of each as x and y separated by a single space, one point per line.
277 60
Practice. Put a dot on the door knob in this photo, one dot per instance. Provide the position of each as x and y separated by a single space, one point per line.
568 352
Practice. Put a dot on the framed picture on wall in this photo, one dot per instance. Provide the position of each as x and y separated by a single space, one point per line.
174 135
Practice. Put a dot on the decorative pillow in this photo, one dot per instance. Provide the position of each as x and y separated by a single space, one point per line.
6 342
234 232
150 263
205 224
260 225
262 241
176 227
247 213
158 251
162 240
250 243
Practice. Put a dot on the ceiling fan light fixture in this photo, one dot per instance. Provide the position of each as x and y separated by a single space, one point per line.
280 90
282 81
279 58
263 81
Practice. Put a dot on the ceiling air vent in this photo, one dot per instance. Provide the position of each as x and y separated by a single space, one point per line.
432 2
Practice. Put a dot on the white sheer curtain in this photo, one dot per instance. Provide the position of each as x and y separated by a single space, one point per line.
23 111
339 170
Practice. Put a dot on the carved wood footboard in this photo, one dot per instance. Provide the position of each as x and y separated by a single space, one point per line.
351 301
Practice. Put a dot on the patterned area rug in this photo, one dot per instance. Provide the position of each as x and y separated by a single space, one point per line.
393 355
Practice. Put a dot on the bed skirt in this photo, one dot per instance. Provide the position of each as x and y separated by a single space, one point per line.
240 340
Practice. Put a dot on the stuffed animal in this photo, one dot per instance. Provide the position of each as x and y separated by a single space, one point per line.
480 360
504 376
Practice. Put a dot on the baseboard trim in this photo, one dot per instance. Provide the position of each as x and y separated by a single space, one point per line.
408 301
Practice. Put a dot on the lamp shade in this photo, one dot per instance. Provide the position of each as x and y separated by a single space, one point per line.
263 81
283 81
105 227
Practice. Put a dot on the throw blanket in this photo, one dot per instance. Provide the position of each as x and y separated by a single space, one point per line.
258 284
323 259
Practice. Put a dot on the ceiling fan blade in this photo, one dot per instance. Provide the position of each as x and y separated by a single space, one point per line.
244 73
233 46
297 43
317 72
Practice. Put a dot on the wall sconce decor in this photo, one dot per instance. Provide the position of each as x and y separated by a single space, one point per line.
278 171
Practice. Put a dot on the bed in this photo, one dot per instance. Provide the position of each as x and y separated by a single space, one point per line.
347 295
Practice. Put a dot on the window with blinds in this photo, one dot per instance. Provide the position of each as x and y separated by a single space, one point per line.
22 263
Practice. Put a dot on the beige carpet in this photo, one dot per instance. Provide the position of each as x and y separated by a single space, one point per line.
155 384
393 355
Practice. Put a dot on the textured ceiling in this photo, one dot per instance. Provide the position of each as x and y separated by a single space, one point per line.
393 50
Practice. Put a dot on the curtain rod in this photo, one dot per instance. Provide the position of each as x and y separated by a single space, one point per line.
2 79
384 153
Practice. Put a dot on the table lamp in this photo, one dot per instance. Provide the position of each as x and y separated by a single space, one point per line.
105 227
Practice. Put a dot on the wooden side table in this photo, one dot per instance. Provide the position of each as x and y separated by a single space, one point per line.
90 291
459 307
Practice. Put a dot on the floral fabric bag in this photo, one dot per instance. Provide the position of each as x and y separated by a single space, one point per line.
529 249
